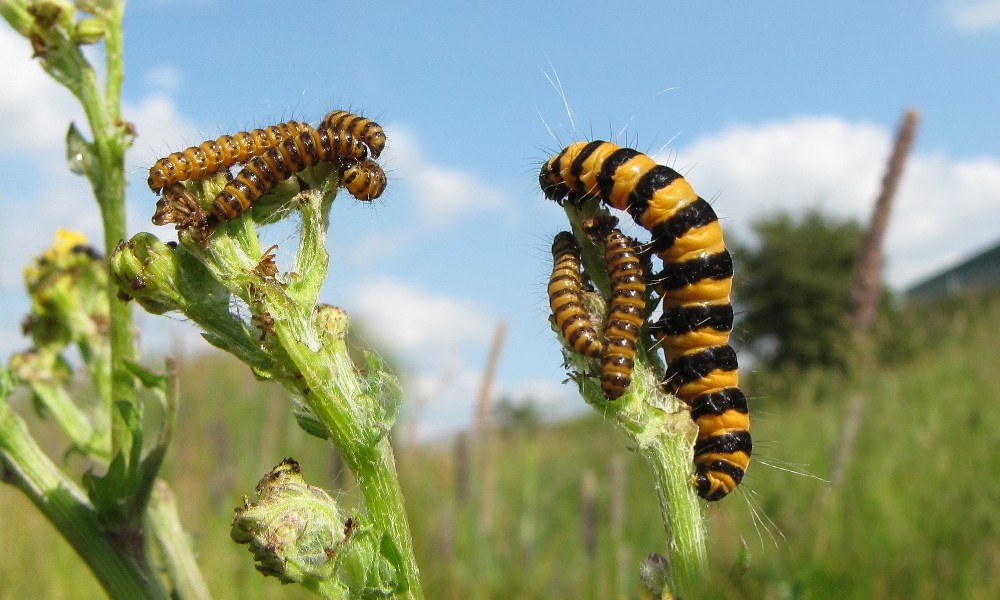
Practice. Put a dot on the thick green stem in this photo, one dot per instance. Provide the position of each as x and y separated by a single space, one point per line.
331 389
379 486
122 574
681 512
112 543
104 115
174 543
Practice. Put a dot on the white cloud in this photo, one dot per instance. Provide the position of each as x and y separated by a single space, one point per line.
974 15
442 340
442 194
161 130
945 207
164 77
34 110
444 344
417 323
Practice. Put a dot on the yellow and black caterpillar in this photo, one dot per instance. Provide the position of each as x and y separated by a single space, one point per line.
212 156
364 180
280 162
695 284
566 298
270 155
366 130
627 306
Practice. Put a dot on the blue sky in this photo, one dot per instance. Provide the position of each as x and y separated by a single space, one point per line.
763 106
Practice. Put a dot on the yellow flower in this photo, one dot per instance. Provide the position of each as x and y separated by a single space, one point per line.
66 241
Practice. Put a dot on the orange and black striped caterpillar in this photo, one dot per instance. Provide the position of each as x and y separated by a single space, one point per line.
280 162
364 129
566 298
364 180
628 302
215 155
695 283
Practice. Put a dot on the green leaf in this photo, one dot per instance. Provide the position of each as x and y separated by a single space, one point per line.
147 378
79 152
108 492
8 383
309 423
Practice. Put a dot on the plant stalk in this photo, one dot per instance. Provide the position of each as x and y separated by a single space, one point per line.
65 505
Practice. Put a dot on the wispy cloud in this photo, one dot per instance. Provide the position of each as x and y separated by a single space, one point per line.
945 208
166 78
417 322
443 194
440 339
34 110
974 15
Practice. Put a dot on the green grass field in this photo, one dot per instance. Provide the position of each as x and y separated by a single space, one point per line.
567 511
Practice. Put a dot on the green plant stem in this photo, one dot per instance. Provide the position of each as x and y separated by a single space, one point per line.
680 510
173 542
379 484
116 552
663 434
72 420
309 344
104 116
336 398
64 504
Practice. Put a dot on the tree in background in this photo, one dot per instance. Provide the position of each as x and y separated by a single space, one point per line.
795 288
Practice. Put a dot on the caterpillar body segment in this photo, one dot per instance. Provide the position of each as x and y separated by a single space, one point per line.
723 446
212 156
368 131
364 180
280 162
627 306
566 298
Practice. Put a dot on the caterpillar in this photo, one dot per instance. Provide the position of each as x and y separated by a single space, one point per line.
214 155
280 162
695 282
566 298
628 303
367 130
364 180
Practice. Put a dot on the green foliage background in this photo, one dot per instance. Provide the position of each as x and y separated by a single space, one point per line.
794 288
914 517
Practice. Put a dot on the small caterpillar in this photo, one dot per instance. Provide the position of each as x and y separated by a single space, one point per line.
214 155
364 180
695 282
566 298
628 302
280 162
367 130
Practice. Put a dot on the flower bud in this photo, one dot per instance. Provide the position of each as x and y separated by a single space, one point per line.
332 320
294 530
89 31
146 269
67 286
47 13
